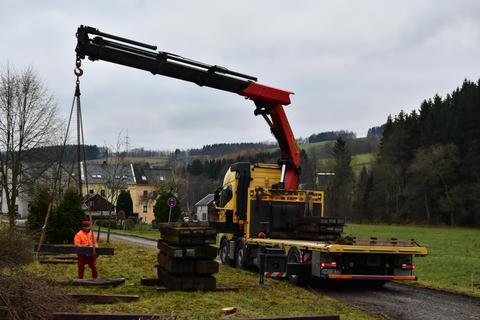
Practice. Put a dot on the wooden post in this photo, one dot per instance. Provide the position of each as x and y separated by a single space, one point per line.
44 227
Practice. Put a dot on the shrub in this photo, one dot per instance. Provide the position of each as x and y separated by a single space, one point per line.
161 208
28 296
105 223
38 210
16 248
66 219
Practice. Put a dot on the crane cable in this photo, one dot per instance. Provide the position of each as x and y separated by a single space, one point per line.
81 144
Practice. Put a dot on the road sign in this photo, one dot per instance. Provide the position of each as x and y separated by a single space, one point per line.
172 202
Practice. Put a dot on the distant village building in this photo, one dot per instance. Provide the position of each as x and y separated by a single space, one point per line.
205 210
22 204
99 207
142 180
98 180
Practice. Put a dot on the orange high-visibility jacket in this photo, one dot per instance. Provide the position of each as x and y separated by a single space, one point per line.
84 239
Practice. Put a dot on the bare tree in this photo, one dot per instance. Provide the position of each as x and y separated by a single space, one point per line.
28 120
115 173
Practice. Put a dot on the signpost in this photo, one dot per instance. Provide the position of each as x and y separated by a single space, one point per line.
171 202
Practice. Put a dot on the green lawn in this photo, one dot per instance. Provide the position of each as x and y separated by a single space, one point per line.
364 159
314 145
132 263
454 254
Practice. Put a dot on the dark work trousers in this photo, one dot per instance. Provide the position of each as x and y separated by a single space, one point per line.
92 263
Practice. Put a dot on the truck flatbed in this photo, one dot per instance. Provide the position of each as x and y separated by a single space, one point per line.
328 247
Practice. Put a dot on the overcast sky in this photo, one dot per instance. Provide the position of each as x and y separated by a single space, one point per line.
350 63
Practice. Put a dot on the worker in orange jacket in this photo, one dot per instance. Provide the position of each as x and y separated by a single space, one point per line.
86 238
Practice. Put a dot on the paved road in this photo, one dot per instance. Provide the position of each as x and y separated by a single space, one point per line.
136 240
402 301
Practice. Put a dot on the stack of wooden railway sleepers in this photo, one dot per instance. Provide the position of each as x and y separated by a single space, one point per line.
186 260
318 228
312 228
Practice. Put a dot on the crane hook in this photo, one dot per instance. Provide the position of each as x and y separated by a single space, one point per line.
78 71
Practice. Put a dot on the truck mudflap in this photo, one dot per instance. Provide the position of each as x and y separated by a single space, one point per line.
370 277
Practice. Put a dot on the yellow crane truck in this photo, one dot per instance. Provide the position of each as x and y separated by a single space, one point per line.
254 216
260 206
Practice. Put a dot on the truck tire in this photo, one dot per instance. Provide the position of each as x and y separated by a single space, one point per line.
294 256
223 252
240 254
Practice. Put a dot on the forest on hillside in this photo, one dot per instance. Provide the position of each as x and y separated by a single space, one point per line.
428 166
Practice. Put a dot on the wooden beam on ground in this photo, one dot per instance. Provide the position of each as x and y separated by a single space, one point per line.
108 316
103 298
51 261
91 282
151 282
54 248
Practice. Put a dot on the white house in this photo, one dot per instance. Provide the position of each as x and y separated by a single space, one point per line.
203 207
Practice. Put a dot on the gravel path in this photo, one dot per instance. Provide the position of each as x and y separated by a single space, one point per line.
402 301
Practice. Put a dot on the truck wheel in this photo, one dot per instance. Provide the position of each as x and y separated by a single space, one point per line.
224 251
240 255
294 257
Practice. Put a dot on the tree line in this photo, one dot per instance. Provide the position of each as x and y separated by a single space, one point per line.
331 136
428 166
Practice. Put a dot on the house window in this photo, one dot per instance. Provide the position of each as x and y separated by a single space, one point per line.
144 209
102 193
90 191
144 178
16 208
162 178
204 216
145 193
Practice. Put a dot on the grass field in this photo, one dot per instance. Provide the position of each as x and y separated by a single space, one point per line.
132 263
453 262
358 162
364 159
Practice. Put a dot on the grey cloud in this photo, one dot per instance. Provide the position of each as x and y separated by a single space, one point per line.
350 63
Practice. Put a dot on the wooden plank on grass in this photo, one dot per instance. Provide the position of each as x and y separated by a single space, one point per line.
53 248
108 316
149 282
91 282
52 261
103 298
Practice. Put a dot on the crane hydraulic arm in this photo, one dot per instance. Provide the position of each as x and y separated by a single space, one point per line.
269 101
